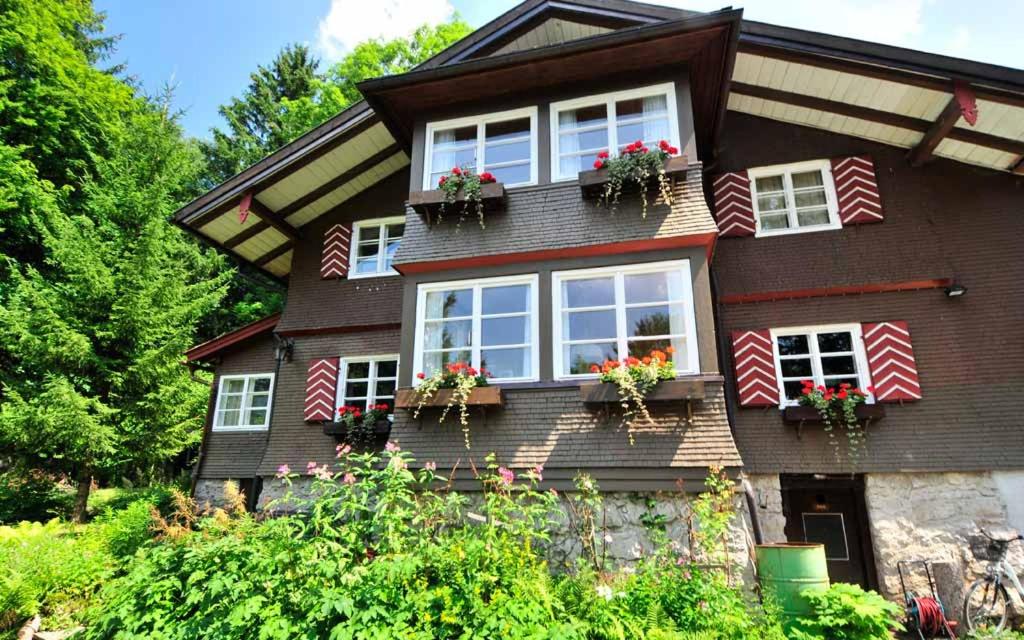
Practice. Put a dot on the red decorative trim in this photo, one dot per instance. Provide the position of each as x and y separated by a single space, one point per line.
325 331
734 210
857 190
221 342
243 207
334 260
754 364
968 102
321 385
608 249
826 292
891 360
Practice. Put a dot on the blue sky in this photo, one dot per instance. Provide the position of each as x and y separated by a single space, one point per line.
208 48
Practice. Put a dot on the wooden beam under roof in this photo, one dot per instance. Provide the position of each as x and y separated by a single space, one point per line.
875 115
273 254
959 106
274 220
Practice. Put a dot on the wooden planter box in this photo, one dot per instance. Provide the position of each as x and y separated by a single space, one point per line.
478 397
428 203
664 391
800 413
592 181
381 430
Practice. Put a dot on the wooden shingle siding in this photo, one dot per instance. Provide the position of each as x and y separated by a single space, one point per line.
942 220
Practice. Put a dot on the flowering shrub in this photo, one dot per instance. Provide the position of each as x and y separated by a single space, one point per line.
837 408
469 183
636 165
462 379
360 424
635 377
381 549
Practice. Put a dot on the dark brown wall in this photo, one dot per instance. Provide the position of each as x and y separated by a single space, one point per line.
317 303
236 454
943 220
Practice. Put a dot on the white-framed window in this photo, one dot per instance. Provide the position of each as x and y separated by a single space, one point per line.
490 324
374 243
794 198
243 402
611 313
583 127
504 144
829 355
368 380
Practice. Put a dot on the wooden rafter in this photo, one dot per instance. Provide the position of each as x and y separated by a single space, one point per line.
959 105
273 254
274 220
1017 166
253 231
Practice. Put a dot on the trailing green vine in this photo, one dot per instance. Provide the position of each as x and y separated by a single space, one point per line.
636 166
635 377
469 183
361 424
461 379
838 410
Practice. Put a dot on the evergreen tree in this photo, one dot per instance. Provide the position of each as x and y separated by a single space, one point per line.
254 119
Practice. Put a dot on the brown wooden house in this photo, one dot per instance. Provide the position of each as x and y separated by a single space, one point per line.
847 212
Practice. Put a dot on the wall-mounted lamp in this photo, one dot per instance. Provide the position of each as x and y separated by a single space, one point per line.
283 348
955 290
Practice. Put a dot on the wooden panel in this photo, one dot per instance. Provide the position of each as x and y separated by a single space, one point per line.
664 391
478 397
800 413
553 31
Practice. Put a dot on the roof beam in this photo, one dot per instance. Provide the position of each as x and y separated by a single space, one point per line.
251 232
273 254
955 109
1017 166
338 181
274 220
875 115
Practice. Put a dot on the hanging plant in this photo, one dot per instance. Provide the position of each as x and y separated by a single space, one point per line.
634 378
636 166
360 424
461 379
469 183
837 408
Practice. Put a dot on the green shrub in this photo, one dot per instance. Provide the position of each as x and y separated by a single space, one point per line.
1005 634
374 555
31 495
847 612
124 531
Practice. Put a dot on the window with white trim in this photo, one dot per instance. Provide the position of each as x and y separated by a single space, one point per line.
489 324
367 381
794 198
616 312
829 355
505 144
243 402
583 127
374 243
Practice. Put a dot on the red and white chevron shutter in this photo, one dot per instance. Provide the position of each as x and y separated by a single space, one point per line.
334 261
734 212
857 190
321 385
756 380
891 361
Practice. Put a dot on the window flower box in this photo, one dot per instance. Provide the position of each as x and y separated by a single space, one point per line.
340 430
592 181
428 204
479 397
664 391
800 413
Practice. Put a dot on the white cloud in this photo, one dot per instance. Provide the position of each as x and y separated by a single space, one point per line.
897 22
349 22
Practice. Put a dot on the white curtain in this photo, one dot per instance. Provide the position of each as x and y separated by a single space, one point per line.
568 166
443 156
656 129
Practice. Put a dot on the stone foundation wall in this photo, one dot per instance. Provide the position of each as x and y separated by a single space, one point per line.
768 498
210 492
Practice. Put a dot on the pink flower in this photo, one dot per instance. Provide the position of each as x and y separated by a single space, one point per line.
310 466
343 450
539 472
283 470
506 475
553 491
349 479
430 466
392 447
322 472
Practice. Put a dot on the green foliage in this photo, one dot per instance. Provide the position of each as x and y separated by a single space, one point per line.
125 531
336 89
847 612
986 634
28 494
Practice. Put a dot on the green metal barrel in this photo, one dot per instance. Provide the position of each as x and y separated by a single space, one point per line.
788 568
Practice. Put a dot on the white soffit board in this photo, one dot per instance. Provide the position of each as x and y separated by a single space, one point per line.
551 32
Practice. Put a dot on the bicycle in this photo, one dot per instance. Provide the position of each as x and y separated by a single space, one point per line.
987 603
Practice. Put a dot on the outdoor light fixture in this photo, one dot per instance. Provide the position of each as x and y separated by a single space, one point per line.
955 290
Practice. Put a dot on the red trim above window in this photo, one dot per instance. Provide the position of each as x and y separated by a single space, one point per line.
824 292
612 248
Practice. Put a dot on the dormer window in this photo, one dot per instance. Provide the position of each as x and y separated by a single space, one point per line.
794 198
583 127
504 144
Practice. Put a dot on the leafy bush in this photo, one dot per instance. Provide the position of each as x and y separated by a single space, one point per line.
124 531
847 612
1005 634
51 563
31 495
381 551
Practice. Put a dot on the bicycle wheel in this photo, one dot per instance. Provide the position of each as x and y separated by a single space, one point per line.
985 606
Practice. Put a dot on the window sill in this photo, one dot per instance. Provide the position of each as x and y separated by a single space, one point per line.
664 391
428 204
381 430
363 276
489 396
798 230
801 415
238 429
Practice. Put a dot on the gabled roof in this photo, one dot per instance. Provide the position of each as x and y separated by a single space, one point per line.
213 347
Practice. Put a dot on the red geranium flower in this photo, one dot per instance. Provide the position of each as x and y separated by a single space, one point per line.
421 375
673 151
457 171
486 177
663 145
644 150
598 164
442 180
602 154
595 369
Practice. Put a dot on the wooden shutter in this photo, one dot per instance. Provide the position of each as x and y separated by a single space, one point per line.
321 386
754 361
734 212
891 361
334 260
857 190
